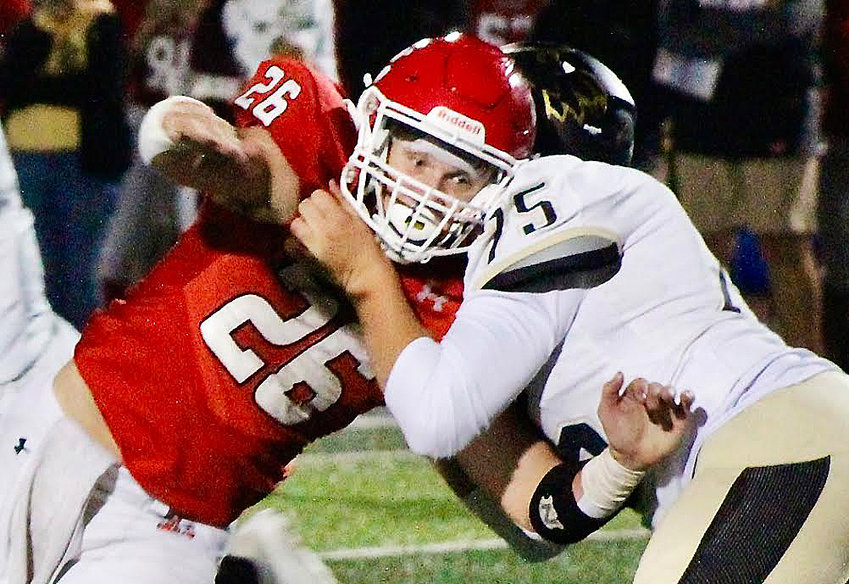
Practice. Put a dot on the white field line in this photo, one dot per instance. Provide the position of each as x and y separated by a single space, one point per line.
368 553
384 420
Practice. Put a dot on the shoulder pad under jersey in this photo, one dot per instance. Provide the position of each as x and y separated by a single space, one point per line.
536 244
306 116
575 258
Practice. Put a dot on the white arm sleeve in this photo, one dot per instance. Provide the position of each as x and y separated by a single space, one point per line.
153 139
444 394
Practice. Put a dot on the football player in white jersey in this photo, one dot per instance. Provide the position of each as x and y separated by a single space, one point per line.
34 341
584 268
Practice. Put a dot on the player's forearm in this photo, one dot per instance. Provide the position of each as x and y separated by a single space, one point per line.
437 417
486 507
388 322
569 502
506 461
495 467
445 394
531 467
243 170
167 142
243 188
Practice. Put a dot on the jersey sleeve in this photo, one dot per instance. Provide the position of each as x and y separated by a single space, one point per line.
540 240
306 116
550 240
443 394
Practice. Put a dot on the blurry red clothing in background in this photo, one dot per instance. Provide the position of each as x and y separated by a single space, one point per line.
11 12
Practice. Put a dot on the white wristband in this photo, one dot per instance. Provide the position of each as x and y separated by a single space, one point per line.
153 139
606 485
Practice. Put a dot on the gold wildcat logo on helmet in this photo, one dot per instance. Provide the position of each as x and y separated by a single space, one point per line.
583 108
589 101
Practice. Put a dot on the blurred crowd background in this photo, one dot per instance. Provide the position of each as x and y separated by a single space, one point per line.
743 111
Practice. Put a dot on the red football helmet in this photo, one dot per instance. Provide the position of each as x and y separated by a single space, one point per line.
465 96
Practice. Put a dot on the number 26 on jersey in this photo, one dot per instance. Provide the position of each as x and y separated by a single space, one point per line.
268 100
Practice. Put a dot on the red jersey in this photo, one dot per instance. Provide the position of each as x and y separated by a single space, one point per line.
229 358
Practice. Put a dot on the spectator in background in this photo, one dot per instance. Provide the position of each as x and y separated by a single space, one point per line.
742 79
152 211
234 36
622 35
216 75
131 13
295 28
62 78
833 208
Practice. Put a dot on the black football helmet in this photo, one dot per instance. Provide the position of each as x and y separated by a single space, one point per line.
582 107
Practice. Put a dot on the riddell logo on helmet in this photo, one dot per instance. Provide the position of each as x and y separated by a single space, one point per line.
471 130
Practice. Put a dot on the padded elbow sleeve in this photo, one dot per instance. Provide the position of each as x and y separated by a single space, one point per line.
553 511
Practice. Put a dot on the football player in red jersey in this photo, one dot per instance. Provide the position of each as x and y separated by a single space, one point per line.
184 402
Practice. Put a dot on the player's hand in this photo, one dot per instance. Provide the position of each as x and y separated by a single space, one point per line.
196 127
242 169
337 237
205 152
646 422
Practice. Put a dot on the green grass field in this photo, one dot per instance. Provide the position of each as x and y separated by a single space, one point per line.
376 513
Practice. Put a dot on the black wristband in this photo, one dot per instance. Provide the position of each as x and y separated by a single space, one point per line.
554 513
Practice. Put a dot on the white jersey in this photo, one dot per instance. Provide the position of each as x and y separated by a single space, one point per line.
587 269
9 191
27 322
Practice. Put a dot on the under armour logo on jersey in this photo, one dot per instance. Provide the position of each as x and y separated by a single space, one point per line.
20 446
426 293
548 513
